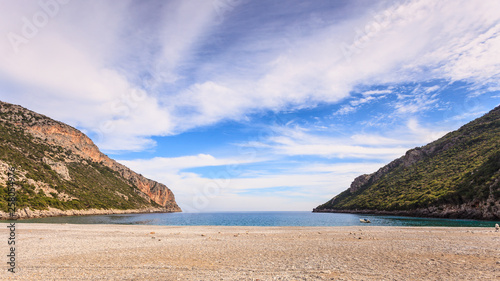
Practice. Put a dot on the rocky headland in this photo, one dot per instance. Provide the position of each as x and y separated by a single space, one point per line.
52 161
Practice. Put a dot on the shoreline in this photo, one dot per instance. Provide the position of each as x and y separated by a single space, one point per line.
151 252
27 213
418 213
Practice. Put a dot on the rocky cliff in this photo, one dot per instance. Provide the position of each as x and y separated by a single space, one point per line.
457 176
60 154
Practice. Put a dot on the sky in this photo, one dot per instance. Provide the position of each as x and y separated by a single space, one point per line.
261 105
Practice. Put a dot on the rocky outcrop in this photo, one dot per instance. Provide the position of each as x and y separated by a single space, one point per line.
412 156
366 179
359 182
58 167
55 133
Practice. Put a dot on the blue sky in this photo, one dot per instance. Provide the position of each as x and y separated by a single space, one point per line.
243 105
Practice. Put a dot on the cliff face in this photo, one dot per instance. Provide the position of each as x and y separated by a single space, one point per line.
56 133
68 145
456 176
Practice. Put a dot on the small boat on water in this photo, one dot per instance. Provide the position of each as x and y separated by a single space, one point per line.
365 220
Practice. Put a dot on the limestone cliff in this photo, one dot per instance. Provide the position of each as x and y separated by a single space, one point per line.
56 133
67 147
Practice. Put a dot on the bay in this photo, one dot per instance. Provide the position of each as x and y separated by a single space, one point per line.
260 219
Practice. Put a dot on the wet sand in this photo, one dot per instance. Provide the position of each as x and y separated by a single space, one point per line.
146 252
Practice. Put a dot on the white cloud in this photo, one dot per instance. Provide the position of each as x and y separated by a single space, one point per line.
377 140
432 89
422 134
292 148
305 186
355 104
315 70
385 145
77 69
73 68
420 100
295 141
376 92
346 109
176 164
362 101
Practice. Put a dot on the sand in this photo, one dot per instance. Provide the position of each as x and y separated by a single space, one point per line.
146 252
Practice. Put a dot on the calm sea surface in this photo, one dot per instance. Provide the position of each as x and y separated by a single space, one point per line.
259 219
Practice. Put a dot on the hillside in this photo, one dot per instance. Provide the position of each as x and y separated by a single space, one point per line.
456 176
60 171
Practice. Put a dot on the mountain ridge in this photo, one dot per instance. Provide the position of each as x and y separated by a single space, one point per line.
66 150
456 176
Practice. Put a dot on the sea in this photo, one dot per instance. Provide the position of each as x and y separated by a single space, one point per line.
260 219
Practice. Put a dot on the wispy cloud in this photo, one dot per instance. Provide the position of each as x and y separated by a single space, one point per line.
300 186
349 143
298 141
424 134
166 48
356 103
420 100
176 164
376 92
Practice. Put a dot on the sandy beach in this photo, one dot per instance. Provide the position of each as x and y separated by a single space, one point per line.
146 252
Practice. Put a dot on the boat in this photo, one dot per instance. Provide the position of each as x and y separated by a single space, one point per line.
365 220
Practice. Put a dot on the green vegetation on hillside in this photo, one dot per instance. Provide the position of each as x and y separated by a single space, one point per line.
94 185
461 167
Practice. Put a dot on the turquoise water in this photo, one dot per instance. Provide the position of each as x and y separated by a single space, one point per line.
260 219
